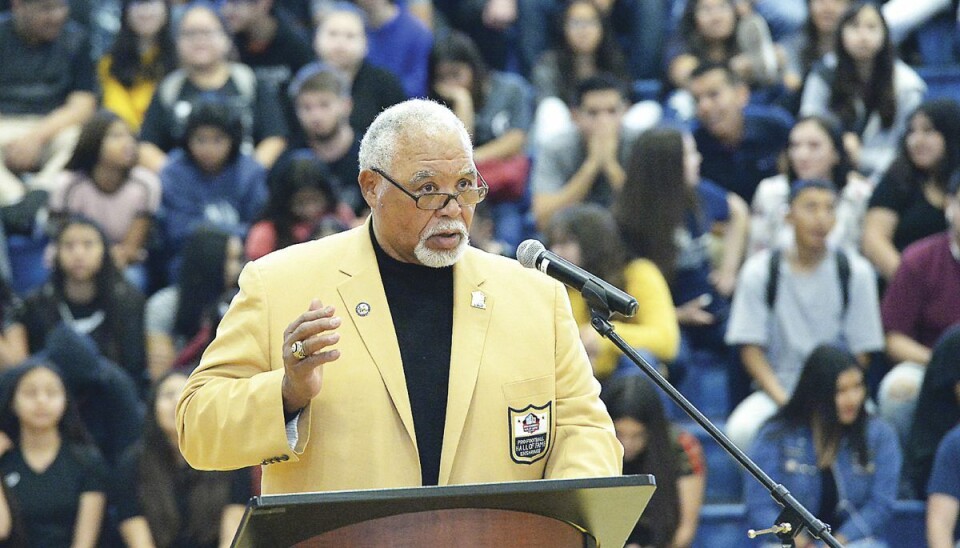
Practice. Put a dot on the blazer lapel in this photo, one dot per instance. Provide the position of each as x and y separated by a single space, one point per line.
472 310
366 306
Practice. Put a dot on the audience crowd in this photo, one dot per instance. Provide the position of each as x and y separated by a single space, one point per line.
774 180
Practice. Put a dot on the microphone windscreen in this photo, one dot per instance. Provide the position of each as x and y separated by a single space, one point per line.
527 252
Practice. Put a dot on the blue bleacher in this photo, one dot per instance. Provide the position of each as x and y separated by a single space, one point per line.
942 81
726 525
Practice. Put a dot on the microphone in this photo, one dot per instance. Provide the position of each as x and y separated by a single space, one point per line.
532 254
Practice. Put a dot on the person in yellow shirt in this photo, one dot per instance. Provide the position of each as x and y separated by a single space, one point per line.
587 236
142 54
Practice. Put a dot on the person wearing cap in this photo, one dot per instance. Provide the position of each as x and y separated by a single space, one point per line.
813 305
393 354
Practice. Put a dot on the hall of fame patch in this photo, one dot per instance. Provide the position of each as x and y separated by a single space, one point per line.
529 433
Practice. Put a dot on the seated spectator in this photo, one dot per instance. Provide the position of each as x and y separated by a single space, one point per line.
586 48
652 446
160 500
207 74
838 461
398 42
815 151
143 53
103 183
586 235
921 303
47 84
266 41
908 204
866 87
212 260
669 215
818 37
302 207
340 42
209 181
714 32
739 144
89 295
55 475
789 301
943 494
496 108
585 163
488 23
322 102
107 399
636 26
937 411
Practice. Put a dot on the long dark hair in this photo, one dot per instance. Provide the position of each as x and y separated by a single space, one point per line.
128 65
285 180
608 57
201 277
687 28
846 87
457 47
593 228
109 282
810 52
218 114
944 115
71 428
159 468
86 155
655 198
839 173
814 404
634 397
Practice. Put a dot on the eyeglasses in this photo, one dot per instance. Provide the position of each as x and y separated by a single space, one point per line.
432 201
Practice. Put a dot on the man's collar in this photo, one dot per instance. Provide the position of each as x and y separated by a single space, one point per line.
955 248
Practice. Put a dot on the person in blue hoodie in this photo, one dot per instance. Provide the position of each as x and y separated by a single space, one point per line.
838 461
209 180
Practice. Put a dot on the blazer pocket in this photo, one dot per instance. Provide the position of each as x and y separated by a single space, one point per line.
526 389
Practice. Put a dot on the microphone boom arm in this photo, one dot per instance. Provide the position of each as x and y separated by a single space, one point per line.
794 516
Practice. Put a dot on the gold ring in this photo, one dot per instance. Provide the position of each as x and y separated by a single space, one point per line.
297 350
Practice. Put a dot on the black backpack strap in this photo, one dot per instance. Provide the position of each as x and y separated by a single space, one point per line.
773 278
843 270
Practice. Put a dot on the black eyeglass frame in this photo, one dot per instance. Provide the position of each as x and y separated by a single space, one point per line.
480 190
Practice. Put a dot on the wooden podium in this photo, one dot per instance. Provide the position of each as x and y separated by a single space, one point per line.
547 513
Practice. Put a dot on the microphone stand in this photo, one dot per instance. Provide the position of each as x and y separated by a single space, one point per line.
794 516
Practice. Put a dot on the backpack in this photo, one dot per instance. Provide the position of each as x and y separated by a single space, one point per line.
843 272
242 76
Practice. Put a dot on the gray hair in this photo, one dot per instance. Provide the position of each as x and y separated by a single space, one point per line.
412 117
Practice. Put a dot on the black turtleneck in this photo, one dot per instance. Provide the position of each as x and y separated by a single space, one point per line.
421 304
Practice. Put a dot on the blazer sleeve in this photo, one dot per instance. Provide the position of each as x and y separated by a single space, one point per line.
230 414
586 445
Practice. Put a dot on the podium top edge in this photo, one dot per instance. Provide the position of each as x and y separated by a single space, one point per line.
545 486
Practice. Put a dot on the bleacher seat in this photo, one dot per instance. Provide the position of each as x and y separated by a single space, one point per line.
941 81
908 526
721 526
27 262
724 479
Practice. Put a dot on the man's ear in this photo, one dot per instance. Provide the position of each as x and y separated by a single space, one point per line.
369 187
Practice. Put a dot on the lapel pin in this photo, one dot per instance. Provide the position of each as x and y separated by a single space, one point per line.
478 300
363 309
